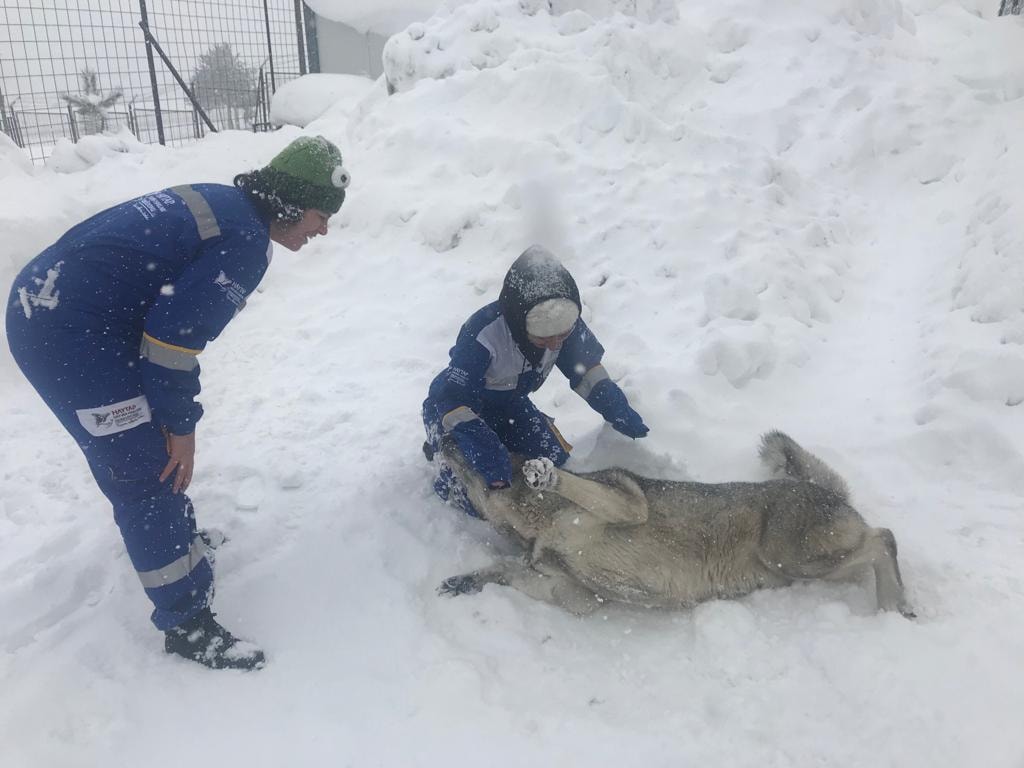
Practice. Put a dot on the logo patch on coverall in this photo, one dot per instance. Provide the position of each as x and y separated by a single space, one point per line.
111 419
234 291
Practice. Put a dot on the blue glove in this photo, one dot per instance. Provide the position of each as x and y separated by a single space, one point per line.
610 401
484 451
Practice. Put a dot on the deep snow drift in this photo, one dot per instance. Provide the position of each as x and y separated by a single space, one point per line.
804 215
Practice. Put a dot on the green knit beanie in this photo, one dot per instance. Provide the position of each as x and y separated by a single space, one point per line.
308 173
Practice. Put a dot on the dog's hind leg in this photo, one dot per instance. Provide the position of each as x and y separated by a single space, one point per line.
880 549
541 581
552 584
877 550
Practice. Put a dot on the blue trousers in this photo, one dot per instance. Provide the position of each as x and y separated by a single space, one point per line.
520 426
81 368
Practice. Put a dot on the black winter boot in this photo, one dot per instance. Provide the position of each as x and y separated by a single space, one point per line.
203 640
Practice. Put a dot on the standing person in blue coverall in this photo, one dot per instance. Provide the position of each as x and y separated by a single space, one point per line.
504 352
106 324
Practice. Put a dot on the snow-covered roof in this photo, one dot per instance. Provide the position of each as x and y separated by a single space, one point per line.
382 16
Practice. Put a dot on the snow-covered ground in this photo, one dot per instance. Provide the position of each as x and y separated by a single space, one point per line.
803 214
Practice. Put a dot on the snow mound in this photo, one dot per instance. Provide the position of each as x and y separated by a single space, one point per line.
988 279
563 129
72 157
976 342
301 101
488 33
13 159
980 340
881 18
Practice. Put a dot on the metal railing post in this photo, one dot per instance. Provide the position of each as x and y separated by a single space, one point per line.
15 126
5 122
133 125
144 23
299 36
71 122
261 84
312 44
270 47
188 91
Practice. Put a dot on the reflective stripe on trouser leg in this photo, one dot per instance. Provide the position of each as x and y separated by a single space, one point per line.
158 526
73 371
169 557
176 570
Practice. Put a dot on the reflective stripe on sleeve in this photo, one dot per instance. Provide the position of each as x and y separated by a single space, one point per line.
176 570
206 222
167 355
589 380
457 416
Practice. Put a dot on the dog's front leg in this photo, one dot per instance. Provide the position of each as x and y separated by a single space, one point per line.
541 581
622 503
471 583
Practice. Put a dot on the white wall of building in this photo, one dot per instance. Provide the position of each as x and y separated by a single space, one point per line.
345 50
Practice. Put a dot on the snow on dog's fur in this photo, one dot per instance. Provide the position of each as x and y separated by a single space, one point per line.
614 535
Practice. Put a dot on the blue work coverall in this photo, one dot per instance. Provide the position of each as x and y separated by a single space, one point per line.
106 324
482 398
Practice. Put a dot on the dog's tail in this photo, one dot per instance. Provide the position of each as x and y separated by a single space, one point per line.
784 457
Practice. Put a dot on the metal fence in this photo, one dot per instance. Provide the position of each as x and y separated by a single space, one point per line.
168 71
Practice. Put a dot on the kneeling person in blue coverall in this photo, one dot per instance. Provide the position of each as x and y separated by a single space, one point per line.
504 352
106 324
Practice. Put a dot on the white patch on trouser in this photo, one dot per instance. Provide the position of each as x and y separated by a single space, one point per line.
46 295
111 419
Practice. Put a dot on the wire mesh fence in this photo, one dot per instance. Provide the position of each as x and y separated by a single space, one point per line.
166 71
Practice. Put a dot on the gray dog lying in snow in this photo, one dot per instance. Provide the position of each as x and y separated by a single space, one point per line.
615 536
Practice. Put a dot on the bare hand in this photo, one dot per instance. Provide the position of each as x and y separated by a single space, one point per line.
182 452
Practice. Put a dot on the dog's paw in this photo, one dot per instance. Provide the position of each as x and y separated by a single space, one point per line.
465 584
540 474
